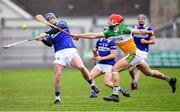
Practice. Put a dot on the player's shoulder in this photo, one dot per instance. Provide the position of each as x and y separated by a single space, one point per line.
135 26
62 23
110 41
100 40
123 25
148 27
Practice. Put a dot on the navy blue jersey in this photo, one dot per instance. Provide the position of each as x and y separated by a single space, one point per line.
138 37
61 40
104 46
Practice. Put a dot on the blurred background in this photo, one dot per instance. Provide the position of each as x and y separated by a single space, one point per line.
17 23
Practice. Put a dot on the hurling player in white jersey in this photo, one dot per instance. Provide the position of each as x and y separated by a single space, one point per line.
106 53
142 42
65 53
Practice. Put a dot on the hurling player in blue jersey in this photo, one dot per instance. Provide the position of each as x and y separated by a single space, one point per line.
106 50
65 52
142 42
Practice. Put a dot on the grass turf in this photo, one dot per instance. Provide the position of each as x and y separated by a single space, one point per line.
33 90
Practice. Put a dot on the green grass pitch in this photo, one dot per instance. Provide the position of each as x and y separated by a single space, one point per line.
33 90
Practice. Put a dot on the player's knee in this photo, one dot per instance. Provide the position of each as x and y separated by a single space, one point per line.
57 78
114 69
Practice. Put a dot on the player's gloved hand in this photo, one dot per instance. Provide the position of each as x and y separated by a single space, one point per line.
41 36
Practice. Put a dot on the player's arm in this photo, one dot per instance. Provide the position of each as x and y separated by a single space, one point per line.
94 51
89 35
46 39
141 31
150 41
110 56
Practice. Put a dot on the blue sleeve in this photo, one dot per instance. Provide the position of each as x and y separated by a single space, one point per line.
62 25
112 45
97 43
149 28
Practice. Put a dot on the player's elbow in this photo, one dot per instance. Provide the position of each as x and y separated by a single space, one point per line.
153 41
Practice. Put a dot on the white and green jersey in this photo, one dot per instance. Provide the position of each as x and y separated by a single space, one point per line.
123 38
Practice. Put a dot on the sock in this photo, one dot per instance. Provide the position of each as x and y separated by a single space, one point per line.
115 90
134 81
57 94
167 78
121 90
91 82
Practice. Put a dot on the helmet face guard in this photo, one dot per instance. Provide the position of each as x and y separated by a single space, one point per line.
115 19
49 15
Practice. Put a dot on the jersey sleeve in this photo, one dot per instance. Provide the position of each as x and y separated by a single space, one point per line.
97 43
48 40
149 28
106 33
112 45
62 25
127 30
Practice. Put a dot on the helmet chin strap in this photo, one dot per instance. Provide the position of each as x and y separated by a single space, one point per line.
112 26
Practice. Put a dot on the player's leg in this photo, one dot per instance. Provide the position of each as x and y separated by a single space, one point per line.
58 69
135 74
144 67
120 65
131 72
107 69
95 72
108 79
77 63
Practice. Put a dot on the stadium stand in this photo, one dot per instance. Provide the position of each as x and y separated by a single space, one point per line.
164 58
85 7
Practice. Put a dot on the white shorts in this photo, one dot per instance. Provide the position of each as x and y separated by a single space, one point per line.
104 67
137 58
65 56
